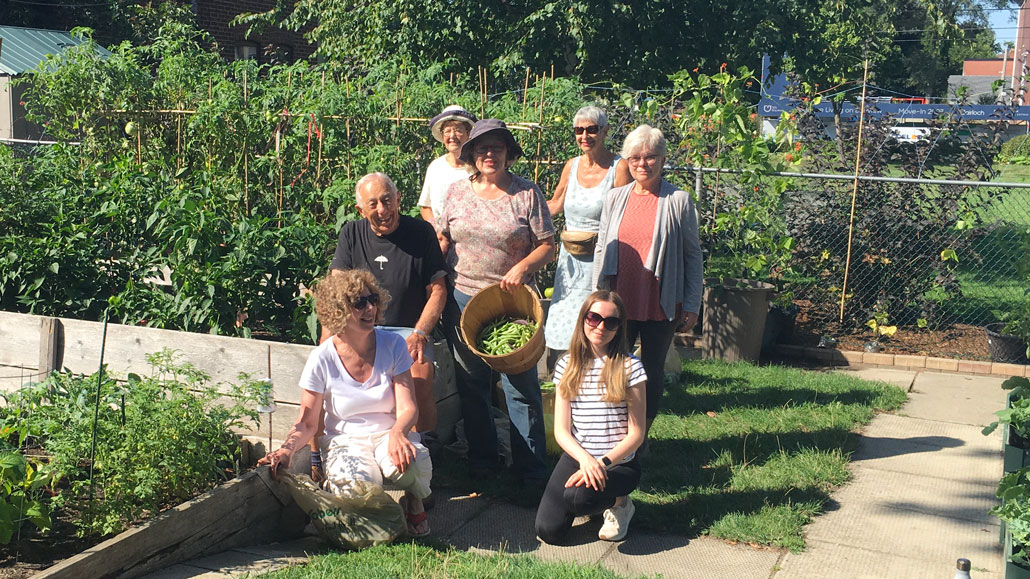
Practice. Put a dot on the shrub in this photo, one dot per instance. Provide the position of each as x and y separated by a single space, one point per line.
160 439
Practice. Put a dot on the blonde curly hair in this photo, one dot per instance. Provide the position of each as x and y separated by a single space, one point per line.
336 292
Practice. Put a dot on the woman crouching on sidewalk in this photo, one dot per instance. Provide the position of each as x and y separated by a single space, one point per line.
599 421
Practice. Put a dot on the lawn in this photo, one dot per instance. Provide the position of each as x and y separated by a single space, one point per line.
740 452
412 560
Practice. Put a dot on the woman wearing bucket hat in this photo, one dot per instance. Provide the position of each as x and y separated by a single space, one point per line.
648 251
584 182
451 127
501 232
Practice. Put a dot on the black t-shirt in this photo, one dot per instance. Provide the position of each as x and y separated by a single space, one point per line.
404 262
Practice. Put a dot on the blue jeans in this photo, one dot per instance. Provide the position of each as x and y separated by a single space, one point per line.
475 387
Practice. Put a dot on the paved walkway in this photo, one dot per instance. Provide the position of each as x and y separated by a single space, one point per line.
924 479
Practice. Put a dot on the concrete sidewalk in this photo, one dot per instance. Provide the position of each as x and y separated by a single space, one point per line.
924 479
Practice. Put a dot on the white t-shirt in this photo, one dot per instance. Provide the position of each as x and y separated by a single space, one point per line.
352 407
439 177
598 425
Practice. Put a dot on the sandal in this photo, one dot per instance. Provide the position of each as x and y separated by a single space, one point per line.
417 523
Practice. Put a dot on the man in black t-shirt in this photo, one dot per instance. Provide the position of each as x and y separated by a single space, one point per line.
403 254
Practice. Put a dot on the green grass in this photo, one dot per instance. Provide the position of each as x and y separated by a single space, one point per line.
756 471
412 560
765 463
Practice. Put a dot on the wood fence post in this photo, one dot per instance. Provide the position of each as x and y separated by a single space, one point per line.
49 346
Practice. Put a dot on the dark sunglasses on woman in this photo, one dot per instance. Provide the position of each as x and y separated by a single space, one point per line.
364 301
593 319
591 130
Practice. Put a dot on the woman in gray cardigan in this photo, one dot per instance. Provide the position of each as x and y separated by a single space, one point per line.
648 252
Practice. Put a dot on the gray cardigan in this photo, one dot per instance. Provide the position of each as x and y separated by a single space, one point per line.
675 255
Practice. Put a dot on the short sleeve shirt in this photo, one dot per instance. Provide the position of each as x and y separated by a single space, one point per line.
598 425
491 236
439 177
404 262
352 407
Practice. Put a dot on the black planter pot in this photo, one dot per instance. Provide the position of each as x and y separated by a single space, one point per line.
734 321
779 326
1004 347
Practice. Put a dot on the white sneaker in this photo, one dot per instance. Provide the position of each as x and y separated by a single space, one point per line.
616 522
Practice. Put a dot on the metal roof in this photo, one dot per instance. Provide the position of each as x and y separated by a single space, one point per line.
25 48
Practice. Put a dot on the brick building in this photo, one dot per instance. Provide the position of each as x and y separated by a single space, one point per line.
271 46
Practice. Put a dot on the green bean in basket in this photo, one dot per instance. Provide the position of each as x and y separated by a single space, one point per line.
505 335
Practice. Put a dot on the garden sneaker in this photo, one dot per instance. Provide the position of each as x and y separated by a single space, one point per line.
616 522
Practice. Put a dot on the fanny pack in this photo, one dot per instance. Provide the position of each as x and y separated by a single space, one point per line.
579 243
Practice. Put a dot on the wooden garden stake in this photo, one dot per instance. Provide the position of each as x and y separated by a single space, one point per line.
854 190
318 161
139 143
525 94
246 151
540 131
347 126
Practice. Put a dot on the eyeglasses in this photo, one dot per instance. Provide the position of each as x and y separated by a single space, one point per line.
594 319
364 301
458 131
484 149
591 130
650 160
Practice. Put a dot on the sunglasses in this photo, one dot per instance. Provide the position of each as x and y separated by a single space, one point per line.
591 130
364 301
594 319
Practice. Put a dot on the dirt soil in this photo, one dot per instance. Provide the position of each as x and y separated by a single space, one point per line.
33 553
958 341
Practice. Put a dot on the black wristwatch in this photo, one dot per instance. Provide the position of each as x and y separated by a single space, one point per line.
607 462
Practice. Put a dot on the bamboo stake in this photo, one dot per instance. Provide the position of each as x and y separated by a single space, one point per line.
854 190
540 134
525 94
347 125
318 161
139 144
178 141
246 152
552 72
397 94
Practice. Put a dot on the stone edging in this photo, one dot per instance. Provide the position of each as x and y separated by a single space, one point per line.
837 357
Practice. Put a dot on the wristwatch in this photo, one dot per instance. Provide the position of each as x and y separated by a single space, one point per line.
607 462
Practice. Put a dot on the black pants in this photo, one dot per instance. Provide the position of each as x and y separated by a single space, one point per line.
655 339
560 505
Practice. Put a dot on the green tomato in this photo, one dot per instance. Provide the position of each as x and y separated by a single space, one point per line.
131 129
549 292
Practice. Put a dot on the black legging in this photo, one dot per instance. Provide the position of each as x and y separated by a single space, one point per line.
560 505
655 340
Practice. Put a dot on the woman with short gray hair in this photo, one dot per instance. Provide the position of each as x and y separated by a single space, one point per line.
648 251
585 181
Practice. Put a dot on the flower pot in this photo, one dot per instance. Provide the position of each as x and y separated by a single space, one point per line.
1004 347
734 322
779 326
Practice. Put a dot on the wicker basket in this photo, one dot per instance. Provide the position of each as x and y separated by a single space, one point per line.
491 303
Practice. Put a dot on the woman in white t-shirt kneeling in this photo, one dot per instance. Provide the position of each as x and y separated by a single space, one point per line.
599 417
361 378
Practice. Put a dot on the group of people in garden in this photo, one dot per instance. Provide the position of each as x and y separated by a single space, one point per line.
628 267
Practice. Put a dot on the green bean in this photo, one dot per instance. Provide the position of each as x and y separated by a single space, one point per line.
505 335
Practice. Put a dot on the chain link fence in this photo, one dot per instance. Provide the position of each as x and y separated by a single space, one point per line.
913 265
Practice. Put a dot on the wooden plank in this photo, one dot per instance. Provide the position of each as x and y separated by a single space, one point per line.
19 339
287 362
49 354
244 511
222 357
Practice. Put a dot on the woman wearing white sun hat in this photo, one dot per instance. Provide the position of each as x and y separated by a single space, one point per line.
451 127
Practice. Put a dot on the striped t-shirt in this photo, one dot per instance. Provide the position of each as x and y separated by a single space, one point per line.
598 425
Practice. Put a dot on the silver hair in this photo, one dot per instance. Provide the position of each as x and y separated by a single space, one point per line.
592 114
386 180
644 137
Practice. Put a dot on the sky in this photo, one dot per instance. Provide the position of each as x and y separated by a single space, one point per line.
1004 29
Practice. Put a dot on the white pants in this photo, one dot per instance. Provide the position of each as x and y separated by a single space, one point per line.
366 458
